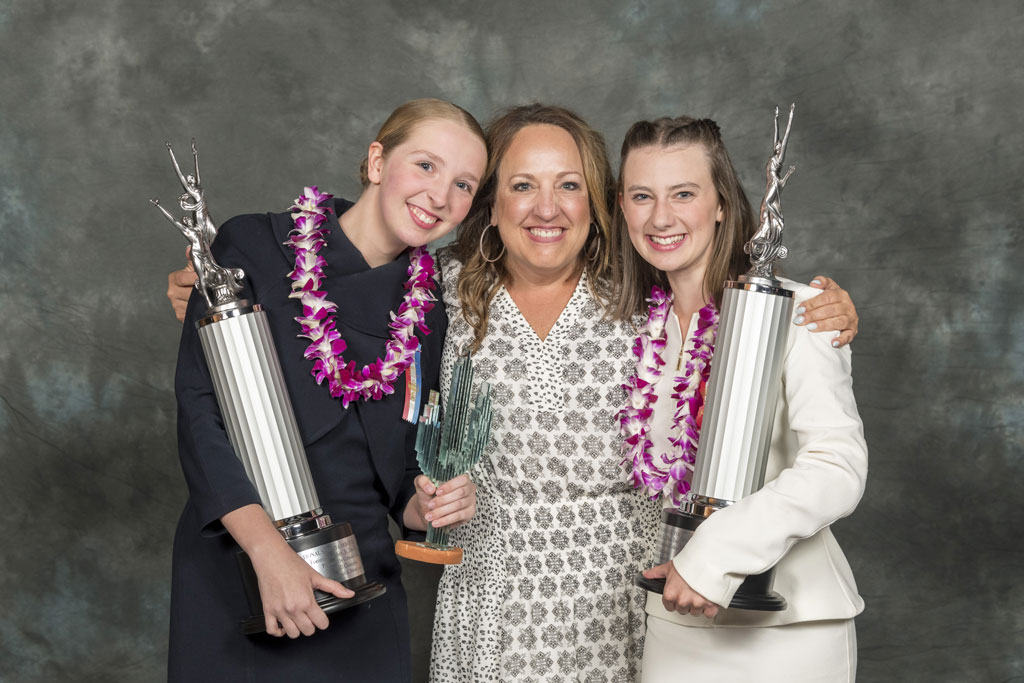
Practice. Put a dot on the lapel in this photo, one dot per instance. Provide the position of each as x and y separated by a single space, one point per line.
365 297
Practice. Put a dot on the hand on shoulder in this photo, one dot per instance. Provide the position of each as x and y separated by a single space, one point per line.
830 311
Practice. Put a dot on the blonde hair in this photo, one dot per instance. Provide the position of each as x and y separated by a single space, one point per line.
404 119
737 226
479 280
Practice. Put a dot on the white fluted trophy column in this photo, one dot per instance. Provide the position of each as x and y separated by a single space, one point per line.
743 390
257 412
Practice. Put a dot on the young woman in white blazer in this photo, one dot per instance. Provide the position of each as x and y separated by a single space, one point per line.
682 220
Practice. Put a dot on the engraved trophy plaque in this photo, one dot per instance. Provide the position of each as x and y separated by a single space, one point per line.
742 392
448 447
259 419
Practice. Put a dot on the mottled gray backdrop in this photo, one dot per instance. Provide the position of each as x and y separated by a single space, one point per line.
908 191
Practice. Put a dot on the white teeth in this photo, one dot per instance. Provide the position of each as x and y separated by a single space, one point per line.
421 215
665 241
541 232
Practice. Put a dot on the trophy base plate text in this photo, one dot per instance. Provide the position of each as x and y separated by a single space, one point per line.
329 604
424 552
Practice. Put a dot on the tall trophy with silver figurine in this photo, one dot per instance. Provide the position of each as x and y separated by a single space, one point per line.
742 391
258 416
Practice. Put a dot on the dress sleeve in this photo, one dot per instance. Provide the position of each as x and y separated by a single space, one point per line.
216 478
822 483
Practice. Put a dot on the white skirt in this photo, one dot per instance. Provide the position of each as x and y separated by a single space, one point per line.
818 651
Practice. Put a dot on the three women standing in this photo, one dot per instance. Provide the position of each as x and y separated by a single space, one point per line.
531 283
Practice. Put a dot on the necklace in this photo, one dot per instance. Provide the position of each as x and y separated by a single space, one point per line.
345 381
672 474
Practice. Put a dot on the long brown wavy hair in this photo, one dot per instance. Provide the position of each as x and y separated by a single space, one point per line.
737 226
480 280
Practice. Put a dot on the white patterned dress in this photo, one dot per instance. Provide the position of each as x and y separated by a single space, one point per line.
545 591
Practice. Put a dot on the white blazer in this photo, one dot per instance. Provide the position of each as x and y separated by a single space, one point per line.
816 470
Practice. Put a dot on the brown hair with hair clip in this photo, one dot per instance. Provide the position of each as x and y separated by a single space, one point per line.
737 226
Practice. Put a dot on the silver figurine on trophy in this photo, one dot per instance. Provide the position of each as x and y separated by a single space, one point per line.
259 419
742 391
447 447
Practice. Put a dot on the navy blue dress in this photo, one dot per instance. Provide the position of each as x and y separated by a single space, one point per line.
362 459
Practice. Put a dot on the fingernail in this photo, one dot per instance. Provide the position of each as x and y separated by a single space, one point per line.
428 516
801 310
835 344
812 326
815 282
797 320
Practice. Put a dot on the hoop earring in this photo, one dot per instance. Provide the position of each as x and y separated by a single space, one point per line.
481 248
592 251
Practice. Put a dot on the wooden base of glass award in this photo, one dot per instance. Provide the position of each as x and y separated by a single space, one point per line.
426 552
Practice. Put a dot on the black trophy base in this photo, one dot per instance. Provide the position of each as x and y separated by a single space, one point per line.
755 593
330 604
651 585
330 550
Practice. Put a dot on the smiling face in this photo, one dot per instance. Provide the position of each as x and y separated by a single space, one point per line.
541 204
671 207
426 184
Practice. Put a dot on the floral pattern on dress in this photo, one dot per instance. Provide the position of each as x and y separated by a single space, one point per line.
545 592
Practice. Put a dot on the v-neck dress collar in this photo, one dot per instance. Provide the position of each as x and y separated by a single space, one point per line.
541 357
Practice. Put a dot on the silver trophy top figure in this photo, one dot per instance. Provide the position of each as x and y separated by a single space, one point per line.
219 286
765 247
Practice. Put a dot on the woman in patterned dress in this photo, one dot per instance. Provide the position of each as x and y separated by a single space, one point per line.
545 591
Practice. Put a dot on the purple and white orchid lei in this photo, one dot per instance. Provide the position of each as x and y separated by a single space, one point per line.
672 475
635 416
345 381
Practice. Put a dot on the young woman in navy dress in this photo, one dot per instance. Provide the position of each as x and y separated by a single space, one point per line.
419 179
